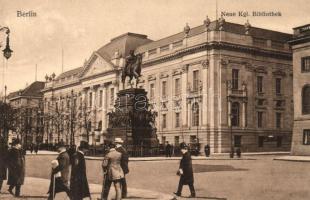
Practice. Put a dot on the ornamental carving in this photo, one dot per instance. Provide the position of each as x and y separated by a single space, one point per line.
279 73
205 64
247 27
163 75
176 72
151 77
185 68
261 69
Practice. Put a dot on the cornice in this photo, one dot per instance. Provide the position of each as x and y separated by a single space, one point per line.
219 46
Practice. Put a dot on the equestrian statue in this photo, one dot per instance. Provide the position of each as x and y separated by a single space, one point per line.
132 68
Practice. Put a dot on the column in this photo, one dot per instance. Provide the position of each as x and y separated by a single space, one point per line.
204 107
244 114
104 110
184 95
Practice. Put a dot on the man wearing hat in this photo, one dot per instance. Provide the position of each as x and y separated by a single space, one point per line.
124 164
186 172
78 183
62 182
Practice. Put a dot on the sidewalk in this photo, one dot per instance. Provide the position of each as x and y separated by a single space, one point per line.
36 188
294 158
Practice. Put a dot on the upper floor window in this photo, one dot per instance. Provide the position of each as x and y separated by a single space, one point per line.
164 89
177 44
164 122
195 114
259 84
235 114
259 119
306 99
177 120
152 90
196 80
100 98
235 79
90 99
112 96
278 85
164 48
152 51
177 86
305 64
306 138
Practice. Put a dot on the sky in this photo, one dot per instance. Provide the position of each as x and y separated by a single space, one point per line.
80 27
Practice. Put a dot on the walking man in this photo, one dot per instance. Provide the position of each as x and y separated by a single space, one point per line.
60 184
16 166
124 164
186 172
78 183
3 161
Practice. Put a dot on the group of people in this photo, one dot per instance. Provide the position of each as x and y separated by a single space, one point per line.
34 148
12 160
115 167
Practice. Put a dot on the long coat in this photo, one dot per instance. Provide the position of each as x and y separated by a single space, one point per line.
186 165
3 161
112 162
16 166
124 159
61 183
78 183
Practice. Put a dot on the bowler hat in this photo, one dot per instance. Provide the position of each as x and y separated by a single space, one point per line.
183 145
118 140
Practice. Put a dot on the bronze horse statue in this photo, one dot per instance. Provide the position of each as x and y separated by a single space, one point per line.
132 69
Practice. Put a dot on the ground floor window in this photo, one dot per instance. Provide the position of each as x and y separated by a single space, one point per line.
306 138
261 141
279 141
192 138
176 140
237 140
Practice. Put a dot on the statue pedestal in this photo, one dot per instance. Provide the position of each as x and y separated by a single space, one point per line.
132 120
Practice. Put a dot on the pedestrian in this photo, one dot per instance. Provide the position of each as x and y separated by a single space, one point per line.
124 164
207 150
78 183
60 184
168 149
36 148
16 166
111 165
31 148
3 161
238 152
186 172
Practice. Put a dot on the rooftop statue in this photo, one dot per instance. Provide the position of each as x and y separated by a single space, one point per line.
132 68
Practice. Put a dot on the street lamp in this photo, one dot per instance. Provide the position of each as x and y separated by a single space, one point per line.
7 52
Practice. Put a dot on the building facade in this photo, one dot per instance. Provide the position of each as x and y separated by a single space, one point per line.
220 83
301 83
28 106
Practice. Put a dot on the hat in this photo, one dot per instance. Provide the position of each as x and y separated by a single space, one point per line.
118 140
183 145
15 142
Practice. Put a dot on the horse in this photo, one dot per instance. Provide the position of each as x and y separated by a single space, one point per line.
132 70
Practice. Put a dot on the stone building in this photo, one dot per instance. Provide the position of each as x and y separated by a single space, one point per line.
28 106
221 83
301 84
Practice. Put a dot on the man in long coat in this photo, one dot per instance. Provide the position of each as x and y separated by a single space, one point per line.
124 164
3 161
62 182
78 183
186 172
16 166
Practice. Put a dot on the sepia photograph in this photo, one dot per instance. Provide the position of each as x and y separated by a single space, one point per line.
154 99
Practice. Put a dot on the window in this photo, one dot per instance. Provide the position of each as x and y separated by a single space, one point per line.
164 89
305 64
278 103
90 99
163 140
152 91
278 120
278 86
235 76
164 123
177 86
306 138
112 96
237 141
235 114
56 106
306 100
193 139
279 141
195 80
259 84
261 141
277 44
100 98
177 120
259 41
259 119
152 51
164 48
176 140
195 114
260 102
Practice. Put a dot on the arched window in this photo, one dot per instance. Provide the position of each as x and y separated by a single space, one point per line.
306 99
195 114
235 114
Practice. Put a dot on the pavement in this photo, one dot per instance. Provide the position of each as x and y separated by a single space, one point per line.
36 188
294 158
